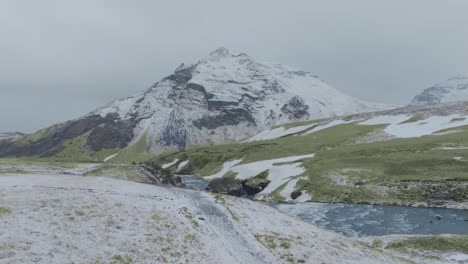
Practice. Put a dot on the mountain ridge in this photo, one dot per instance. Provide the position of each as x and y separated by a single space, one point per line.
222 98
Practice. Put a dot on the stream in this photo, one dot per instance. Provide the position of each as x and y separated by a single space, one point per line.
368 220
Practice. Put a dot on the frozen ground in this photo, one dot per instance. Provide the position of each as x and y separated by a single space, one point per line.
74 219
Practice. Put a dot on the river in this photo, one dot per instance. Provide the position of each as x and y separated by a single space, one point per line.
368 220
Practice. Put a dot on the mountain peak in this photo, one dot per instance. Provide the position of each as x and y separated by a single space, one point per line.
453 90
220 52
226 96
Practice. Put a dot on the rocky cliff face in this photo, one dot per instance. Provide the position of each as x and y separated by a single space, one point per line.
453 90
224 97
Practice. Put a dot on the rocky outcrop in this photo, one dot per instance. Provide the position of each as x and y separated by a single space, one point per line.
256 184
230 186
236 187
158 174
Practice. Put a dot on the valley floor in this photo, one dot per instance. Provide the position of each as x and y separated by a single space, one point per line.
75 219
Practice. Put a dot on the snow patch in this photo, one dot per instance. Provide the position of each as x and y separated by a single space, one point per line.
182 165
305 197
226 167
278 174
288 189
167 165
428 126
279 132
111 157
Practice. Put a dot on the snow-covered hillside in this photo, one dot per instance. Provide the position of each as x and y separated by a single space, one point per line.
228 96
10 136
74 219
453 90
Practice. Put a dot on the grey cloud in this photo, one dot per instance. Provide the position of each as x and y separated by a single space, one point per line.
60 59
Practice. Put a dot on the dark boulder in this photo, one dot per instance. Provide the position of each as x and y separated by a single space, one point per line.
295 194
296 108
229 186
160 175
256 184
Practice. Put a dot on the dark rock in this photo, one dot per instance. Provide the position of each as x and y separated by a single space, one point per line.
295 194
256 184
160 175
438 217
296 108
229 186
108 136
219 105
174 132
227 117
51 140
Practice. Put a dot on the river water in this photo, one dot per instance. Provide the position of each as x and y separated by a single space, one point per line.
368 220
378 220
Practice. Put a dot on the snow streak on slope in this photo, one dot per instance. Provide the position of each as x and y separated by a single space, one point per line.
427 126
279 132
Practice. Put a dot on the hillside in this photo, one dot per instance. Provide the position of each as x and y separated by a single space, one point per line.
412 156
454 89
222 98
65 219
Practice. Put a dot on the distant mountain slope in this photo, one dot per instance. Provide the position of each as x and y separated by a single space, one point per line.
10 136
415 155
222 98
453 90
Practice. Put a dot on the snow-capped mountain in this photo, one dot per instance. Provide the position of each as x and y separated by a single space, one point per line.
228 96
224 97
453 90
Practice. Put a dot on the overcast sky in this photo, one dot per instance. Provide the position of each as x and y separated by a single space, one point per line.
61 59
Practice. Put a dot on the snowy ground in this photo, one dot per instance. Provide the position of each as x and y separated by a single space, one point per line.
74 219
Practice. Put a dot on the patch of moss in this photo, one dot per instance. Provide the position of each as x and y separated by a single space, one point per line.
414 119
260 179
230 175
136 152
118 259
458 119
127 173
4 211
435 243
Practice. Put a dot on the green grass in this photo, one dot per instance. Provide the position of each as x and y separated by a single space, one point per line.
457 119
12 171
38 161
296 124
433 243
4 211
133 153
391 163
414 119
121 172
72 151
